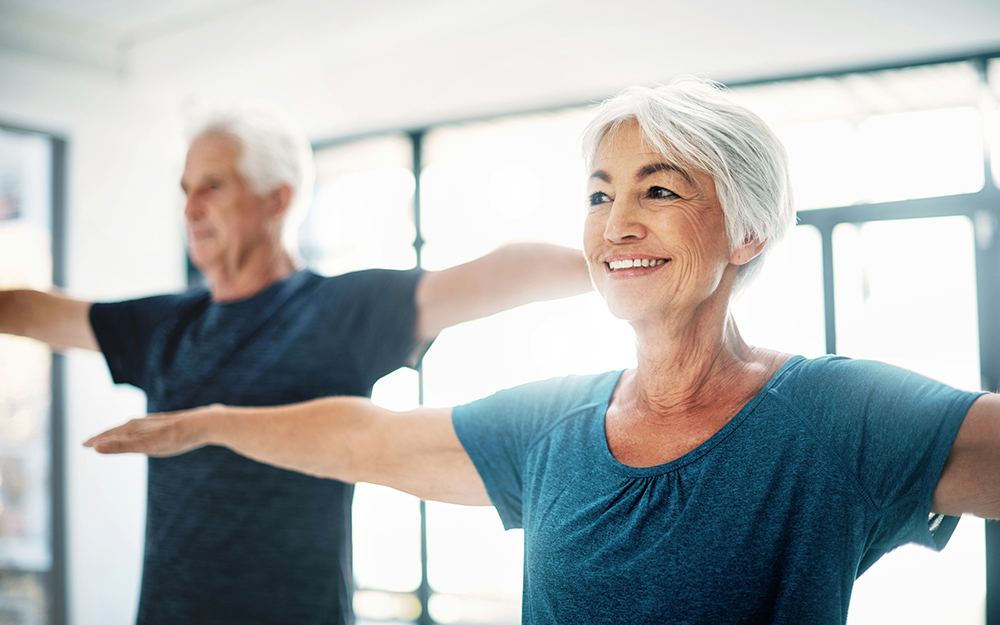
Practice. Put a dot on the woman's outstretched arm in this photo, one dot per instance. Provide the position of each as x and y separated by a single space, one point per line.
970 481
345 438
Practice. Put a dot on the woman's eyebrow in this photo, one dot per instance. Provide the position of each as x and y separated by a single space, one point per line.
652 168
600 174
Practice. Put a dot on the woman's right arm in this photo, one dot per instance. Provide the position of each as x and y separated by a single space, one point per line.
345 438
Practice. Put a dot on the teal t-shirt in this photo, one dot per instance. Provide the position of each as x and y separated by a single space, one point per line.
771 520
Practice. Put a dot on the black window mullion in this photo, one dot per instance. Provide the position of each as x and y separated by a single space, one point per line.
57 410
424 590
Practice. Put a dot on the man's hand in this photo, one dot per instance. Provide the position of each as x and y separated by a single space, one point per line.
162 435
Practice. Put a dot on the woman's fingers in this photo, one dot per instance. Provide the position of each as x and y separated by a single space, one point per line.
162 435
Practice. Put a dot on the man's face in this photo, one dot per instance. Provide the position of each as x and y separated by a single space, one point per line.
226 221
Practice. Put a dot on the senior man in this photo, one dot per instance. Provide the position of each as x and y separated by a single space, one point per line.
229 540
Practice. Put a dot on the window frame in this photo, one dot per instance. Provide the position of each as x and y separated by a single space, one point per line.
56 578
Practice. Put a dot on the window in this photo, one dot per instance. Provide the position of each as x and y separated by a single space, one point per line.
921 316
30 479
902 289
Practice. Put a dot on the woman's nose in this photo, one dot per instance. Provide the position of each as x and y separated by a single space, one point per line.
624 221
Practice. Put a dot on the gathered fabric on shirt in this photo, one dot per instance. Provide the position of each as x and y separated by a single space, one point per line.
770 520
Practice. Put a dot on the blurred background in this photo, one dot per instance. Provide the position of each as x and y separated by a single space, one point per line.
455 124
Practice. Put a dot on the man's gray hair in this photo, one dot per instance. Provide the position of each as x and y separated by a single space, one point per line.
272 152
699 126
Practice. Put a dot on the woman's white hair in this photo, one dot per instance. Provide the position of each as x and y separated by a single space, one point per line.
698 126
272 152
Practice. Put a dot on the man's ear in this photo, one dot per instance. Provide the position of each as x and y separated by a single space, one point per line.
747 252
280 200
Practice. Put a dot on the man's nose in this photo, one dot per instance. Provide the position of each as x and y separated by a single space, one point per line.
192 208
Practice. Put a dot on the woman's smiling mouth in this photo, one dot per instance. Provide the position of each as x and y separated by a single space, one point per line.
635 263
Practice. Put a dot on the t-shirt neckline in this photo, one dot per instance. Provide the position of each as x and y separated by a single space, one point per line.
725 431
262 296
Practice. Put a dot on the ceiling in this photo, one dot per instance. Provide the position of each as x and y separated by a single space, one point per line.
350 66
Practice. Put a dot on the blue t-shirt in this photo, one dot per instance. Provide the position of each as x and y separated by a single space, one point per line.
771 520
230 540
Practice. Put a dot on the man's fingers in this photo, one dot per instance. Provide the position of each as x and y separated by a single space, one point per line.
108 445
126 438
160 435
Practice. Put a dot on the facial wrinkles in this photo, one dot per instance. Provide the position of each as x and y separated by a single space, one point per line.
686 229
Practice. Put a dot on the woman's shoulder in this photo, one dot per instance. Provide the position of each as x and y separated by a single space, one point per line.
849 384
555 395
836 369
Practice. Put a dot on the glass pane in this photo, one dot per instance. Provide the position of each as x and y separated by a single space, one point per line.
386 524
459 537
877 136
893 306
362 212
371 607
920 154
783 309
486 183
473 610
822 163
25 459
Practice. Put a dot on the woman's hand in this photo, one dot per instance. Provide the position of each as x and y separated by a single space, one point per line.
344 438
158 435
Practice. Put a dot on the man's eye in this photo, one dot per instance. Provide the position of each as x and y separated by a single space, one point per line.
659 193
598 198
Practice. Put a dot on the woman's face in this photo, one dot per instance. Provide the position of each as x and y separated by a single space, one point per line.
654 237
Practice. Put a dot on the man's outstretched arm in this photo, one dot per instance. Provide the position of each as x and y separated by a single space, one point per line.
345 438
510 276
59 321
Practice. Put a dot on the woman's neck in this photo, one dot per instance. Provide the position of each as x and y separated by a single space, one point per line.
685 388
682 365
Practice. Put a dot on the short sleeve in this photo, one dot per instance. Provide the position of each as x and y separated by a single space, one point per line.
124 331
382 307
499 431
893 430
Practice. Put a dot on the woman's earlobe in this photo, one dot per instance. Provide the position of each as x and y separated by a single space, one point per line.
747 252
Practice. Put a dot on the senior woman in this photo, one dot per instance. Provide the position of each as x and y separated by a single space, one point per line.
714 483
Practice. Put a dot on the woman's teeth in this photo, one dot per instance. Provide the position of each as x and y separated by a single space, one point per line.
615 265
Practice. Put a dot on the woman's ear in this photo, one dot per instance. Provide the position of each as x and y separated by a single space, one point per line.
747 252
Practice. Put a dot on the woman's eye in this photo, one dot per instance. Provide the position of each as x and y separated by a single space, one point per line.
598 198
659 193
